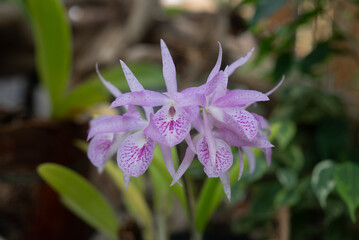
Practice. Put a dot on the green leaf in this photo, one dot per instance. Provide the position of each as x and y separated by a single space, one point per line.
134 200
52 37
149 74
82 97
265 8
81 198
323 180
285 133
287 177
287 197
347 181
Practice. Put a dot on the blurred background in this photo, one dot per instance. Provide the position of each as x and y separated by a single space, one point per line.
49 91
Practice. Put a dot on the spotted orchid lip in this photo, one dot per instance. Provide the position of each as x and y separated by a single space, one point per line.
218 115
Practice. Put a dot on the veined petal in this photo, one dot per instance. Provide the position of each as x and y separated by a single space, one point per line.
132 81
115 92
186 162
239 62
173 123
153 132
115 124
241 122
250 157
240 98
223 154
226 184
169 69
145 98
135 154
216 67
167 157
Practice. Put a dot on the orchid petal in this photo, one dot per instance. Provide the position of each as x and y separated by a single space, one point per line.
241 165
196 119
115 92
98 148
135 154
268 155
132 81
190 143
226 184
216 67
167 157
186 162
221 89
126 179
250 157
241 121
276 87
209 139
223 157
173 123
115 124
153 132
239 62
142 98
169 69
240 98
184 100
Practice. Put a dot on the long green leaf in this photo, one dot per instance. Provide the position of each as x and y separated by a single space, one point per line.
134 199
81 198
347 182
52 45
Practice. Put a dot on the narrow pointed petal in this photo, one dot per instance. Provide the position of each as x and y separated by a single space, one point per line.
226 184
184 100
221 89
113 90
240 98
196 119
216 67
169 69
167 157
209 139
241 122
241 165
190 143
132 81
98 149
116 124
126 179
173 123
276 87
223 157
186 162
135 154
250 157
144 98
268 155
239 62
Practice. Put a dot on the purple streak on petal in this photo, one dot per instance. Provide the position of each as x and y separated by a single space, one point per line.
268 155
240 98
250 157
116 124
173 123
241 165
186 162
216 67
98 149
239 62
223 157
226 184
241 122
276 87
132 81
167 157
115 92
126 179
145 98
135 154
169 69
209 138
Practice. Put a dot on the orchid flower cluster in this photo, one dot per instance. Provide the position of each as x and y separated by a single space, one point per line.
217 117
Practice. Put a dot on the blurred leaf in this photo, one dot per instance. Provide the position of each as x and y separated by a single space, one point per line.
134 200
295 158
287 197
83 96
264 199
319 54
283 64
81 198
347 181
287 177
149 75
285 132
265 8
52 46
323 180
